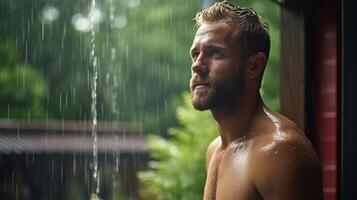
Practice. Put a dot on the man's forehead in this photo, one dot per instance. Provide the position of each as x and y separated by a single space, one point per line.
213 32
209 28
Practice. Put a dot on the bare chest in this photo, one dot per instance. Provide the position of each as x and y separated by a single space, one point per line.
228 177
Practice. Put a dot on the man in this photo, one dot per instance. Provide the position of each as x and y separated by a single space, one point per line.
259 154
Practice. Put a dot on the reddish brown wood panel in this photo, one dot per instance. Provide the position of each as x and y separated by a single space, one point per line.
325 92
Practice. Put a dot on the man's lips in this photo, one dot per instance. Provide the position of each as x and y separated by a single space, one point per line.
199 85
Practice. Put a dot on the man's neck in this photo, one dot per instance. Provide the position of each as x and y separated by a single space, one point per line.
235 121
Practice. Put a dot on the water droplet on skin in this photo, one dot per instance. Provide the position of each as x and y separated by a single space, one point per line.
276 152
74 165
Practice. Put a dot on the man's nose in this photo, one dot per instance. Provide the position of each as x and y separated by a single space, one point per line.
199 66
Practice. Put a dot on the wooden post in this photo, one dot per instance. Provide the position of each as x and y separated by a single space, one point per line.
292 86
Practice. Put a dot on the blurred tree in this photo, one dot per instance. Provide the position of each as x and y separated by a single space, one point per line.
23 90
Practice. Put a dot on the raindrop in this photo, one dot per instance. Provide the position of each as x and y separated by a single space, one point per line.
61 172
112 9
63 34
12 180
117 164
113 54
26 51
95 173
74 165
52 169
66 100
8 111
60 102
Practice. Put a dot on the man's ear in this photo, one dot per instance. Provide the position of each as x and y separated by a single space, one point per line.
256 64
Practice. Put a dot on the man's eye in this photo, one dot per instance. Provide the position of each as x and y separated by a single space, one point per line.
194 56
216 53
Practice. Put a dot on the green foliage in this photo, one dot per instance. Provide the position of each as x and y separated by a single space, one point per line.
23 92
23 89
178 170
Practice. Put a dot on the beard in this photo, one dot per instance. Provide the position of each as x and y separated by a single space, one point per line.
223 92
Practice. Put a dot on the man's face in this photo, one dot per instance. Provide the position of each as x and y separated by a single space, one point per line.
217 75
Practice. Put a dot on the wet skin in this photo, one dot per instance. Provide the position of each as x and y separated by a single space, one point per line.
259 154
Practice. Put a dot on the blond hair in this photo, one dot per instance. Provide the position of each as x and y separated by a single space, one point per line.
253 32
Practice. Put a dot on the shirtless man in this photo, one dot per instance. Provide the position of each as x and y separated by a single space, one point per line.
259 154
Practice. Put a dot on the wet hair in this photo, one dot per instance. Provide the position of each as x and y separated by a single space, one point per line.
253 32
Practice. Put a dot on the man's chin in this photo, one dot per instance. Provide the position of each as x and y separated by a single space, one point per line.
200 104
200 107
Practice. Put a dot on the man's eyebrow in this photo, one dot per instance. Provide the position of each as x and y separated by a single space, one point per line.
215 46
210 46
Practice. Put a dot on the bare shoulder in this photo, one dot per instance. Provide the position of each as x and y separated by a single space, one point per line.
211 149
284 164
286 136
